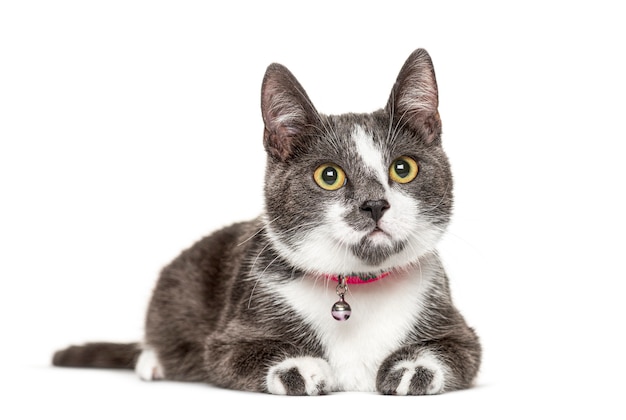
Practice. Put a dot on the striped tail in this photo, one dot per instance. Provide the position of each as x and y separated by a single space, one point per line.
99 355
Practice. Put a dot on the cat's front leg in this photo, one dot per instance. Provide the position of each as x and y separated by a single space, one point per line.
428 369
267 366
419 373
300 376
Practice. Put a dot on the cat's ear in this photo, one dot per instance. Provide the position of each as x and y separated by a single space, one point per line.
288 113
414 97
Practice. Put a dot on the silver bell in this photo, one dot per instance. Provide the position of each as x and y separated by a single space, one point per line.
341 310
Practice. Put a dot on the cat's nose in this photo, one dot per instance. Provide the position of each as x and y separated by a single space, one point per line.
375 208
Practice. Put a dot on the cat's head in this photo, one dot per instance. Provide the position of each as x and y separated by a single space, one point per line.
355 193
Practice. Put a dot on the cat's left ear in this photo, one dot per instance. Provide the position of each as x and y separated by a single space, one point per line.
414 97
287 111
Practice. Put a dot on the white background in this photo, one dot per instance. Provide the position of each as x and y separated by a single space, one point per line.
130 129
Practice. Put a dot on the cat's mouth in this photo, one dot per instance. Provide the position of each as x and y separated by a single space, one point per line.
378 232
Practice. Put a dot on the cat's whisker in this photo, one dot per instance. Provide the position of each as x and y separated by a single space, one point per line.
257 258
392 106
333 138
329 132
419 241
443 198
252 292
265 224
328 135
260 276
262 251
290 230
301 226
294 227
398 128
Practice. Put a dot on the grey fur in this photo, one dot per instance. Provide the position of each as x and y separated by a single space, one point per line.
214 316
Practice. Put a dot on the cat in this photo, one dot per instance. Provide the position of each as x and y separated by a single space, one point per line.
355 205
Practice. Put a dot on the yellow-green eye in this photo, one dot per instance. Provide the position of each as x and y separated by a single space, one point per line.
403 170
330 177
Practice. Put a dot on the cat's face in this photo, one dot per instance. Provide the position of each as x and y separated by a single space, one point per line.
355 193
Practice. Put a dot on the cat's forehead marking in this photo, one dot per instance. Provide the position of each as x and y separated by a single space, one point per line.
370 153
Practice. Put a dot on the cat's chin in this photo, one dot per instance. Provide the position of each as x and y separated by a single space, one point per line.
376 248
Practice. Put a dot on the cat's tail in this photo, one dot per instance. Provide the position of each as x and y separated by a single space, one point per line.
99 355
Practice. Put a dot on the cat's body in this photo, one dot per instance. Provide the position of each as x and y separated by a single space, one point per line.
368 195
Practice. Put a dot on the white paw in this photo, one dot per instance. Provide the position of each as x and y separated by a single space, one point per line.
431 375
148 367
300 376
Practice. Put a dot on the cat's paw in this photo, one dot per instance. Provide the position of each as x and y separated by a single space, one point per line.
300 376
148 367
423 376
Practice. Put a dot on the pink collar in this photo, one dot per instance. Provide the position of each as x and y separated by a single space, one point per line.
357 279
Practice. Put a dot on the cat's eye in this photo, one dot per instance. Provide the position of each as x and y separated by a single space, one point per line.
403 170
330 176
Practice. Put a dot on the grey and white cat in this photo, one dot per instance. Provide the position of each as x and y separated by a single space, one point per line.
363 196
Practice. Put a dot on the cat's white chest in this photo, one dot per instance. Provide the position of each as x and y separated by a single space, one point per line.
383 313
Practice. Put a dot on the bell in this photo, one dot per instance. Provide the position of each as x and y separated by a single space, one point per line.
341 310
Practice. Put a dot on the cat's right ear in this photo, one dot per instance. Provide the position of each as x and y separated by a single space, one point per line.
288 113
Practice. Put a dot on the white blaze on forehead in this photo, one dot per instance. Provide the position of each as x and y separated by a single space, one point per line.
370 154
